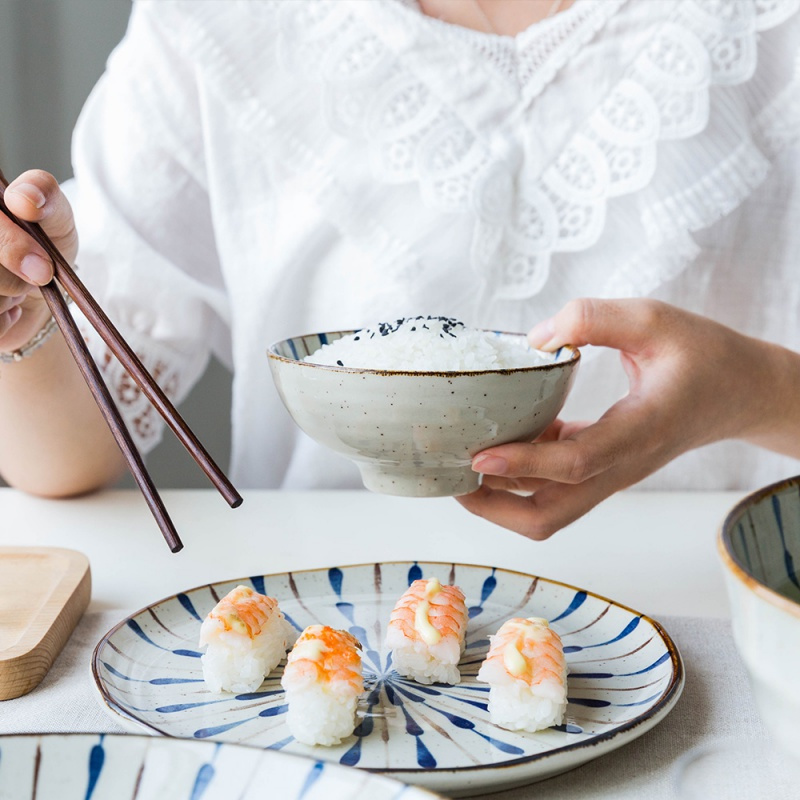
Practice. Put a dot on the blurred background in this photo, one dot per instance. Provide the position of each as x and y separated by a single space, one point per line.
51 54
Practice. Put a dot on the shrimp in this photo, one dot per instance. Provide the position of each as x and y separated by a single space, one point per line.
327 656
527 673
242 610
323 681
246 637
426 632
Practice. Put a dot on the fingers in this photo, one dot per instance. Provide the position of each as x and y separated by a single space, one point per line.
482 462
7 303
587 450
36 197
573 466
567 461
10 312
25 262
540 515
523 485
567 476
626 325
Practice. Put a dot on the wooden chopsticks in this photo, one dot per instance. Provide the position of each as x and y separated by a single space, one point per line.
66 277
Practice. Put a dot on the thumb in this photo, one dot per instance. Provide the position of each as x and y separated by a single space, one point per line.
35 196
625 325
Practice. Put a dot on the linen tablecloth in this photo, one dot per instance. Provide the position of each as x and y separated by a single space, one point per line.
716 705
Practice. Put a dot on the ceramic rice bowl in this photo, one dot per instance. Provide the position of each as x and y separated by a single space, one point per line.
759 544
414 433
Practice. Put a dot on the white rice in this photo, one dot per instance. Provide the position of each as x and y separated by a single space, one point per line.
320 715
427 344
516 705
519 707
235 663
437 663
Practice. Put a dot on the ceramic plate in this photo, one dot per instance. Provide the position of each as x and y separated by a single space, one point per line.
625 674
80 766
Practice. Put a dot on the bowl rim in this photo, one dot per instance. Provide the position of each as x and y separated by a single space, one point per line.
725 549
570 362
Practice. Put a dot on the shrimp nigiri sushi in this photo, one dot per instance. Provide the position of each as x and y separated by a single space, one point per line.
322 680
246 636
426 632
527 673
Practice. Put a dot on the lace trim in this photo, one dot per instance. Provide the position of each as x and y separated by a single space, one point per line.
142 420
652 266
708 199
544 54
530 60
380 87
664 96
353 59
413 135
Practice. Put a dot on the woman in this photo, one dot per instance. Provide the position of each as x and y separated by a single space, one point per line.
245 172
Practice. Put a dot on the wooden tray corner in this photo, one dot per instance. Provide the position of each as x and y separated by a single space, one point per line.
43 594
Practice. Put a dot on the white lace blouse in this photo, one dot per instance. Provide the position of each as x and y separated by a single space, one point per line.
250 170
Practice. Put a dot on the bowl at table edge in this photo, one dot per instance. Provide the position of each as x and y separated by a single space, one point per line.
414 433
759 546
110 766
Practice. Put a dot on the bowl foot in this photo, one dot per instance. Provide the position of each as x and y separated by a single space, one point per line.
422 482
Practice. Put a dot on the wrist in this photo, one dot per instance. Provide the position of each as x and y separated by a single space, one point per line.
28 346
776 424
32 345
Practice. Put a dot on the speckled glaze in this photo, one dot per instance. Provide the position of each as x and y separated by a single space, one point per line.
625 675
415 433
85 766
759 544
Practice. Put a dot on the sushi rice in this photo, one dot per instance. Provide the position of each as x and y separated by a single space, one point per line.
426 632
245 636
527 673
323 682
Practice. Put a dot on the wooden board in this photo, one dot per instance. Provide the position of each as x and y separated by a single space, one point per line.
43 593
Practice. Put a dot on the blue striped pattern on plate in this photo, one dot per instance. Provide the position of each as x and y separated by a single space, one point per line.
624 675
110 767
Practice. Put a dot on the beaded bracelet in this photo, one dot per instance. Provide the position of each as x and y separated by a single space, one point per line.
39 338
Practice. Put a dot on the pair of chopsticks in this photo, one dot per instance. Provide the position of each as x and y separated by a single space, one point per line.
69 281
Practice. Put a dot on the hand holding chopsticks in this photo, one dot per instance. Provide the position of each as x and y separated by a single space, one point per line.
66 277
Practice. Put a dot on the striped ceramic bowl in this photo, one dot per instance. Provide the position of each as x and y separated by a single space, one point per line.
97 766
759 544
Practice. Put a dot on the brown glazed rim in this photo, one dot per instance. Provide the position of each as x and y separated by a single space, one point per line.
647 719
725 548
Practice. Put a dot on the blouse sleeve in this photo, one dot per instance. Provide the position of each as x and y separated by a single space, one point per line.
147 244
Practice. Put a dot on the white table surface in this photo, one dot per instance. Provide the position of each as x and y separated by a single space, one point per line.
654 552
